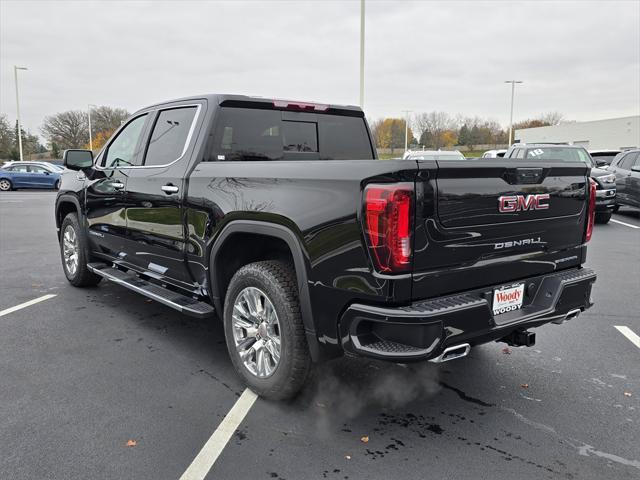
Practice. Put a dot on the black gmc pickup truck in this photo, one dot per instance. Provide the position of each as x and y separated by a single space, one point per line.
278 216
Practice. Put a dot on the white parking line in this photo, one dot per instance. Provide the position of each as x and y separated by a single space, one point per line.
630 334
203 462
26 304
623 223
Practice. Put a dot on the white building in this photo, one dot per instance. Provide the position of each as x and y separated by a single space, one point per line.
613 133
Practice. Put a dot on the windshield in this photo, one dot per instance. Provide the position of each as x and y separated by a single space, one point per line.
436 156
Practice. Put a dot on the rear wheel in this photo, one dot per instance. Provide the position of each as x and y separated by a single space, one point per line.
5 185
56 186
74 250
264 330
603 217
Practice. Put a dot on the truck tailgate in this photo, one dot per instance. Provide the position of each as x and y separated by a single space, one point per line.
486 222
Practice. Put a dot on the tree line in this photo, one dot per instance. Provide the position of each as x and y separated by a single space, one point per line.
63 130
435 130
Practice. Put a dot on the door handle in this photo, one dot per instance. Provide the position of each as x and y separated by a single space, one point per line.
117 185
169 189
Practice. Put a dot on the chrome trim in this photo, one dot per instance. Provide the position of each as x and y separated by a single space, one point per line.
444 357
169 188
147 112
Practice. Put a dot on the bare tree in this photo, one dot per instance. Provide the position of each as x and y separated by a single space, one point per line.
68 129
432 125
552 118
107 119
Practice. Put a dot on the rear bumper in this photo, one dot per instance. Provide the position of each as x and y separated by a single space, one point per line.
423 330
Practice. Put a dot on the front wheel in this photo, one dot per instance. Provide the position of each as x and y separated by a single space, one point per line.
74 250
5 185
603 217
264 330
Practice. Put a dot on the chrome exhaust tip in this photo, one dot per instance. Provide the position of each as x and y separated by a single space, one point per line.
451 353
569 315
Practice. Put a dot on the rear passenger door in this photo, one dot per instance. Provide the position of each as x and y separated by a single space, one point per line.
622 170
155 239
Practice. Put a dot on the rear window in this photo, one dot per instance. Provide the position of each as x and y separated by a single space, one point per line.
249 134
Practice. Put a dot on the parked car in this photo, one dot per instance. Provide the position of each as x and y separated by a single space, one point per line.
29 175
605 180
494 153
626 168
603 157
278 216
433 155
50 165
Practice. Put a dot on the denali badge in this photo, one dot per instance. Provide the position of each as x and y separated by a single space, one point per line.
518 243
515 203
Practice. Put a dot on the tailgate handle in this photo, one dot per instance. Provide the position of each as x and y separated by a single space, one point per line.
524 176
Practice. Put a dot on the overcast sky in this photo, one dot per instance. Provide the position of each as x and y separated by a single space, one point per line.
579 58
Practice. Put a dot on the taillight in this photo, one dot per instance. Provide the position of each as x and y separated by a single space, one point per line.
591 213
388 222
292 105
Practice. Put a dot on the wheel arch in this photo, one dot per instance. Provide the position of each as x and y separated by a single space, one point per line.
66 204
239 231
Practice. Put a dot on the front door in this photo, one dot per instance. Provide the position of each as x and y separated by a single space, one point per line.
155 240
105 187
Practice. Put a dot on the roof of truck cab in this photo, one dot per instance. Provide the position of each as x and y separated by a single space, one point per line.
218 98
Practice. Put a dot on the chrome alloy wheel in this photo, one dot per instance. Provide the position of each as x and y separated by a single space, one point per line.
5 185
256 332
70 249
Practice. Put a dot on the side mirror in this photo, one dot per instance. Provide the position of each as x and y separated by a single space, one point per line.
77 159
601 164
635 168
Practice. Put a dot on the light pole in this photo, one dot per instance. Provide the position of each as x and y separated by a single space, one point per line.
361 53
90 135
15 76
406 128
513 87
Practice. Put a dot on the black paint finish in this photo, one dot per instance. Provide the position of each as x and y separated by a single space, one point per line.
228 213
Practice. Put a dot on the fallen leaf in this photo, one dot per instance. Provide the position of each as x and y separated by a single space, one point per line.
525 385
506 351
348 457
131 443
364 439
627 394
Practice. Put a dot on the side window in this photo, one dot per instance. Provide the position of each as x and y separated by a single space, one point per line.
19 168
169 136
37 169
625 162
630 160
584 157
519 153
124 149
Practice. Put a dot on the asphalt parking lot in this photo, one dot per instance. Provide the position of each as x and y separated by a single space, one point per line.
101 383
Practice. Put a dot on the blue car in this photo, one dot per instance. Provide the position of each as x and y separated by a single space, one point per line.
29 175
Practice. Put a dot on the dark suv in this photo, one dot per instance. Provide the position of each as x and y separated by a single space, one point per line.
278 216
605 180
626 168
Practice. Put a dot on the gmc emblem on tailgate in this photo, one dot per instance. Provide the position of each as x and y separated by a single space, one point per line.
516 203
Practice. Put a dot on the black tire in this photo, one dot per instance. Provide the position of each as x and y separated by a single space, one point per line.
277 280
56 186
616 208
82 276
603 217
5 185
